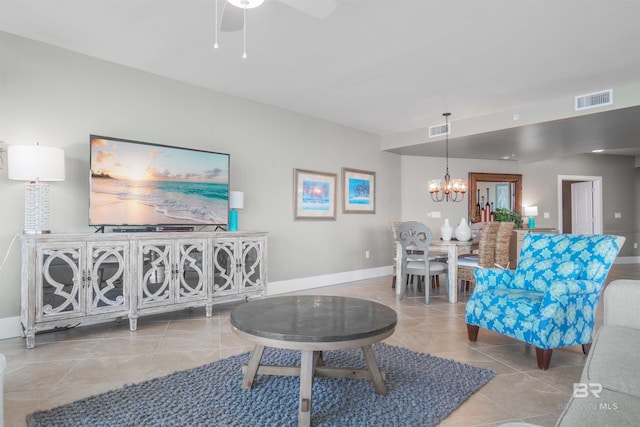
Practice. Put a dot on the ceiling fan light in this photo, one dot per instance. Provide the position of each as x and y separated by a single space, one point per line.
246 4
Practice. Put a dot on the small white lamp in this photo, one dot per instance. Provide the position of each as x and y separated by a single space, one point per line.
35 163
531 212
236 201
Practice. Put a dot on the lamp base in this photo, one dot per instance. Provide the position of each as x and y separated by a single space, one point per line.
532 222
36 208
233 220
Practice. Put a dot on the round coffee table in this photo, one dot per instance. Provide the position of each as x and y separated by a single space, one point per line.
313 324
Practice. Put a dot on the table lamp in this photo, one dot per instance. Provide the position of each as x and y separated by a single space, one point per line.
35 163
531 212
236 201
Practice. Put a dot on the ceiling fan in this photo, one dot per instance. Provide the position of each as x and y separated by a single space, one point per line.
234 13
233 17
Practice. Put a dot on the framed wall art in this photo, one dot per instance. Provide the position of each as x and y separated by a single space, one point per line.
358 191
314 194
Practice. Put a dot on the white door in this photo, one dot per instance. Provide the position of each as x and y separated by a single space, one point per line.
582 217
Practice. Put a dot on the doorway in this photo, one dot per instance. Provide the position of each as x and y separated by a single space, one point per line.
580 208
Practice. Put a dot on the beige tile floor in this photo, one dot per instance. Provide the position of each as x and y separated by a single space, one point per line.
69 365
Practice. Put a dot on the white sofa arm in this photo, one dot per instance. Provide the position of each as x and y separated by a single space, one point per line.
622 303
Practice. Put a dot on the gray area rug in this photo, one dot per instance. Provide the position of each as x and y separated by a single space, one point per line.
423 390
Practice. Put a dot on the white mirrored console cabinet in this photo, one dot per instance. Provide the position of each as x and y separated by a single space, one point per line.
72 279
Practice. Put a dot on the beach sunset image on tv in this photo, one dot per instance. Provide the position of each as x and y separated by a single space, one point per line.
135 183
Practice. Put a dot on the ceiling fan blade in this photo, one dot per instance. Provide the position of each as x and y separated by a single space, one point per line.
318 8
232 18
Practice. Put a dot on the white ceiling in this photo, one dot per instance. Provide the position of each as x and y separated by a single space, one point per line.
389 67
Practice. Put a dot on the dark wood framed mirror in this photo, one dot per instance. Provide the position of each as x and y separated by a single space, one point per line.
500 190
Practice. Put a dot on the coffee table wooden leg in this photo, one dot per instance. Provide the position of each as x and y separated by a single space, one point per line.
374 370
306 381
252 367
317 361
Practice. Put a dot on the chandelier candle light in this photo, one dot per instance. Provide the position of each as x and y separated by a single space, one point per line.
453 189
35 163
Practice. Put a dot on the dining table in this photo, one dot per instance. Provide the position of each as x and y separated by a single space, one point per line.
452 248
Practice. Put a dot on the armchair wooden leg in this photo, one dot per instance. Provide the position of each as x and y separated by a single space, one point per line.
586 347
472 331
544 358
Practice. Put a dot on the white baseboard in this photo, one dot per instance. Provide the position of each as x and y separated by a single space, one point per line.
304 283
9 327
627 260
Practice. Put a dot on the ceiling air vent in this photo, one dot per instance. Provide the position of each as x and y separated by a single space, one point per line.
592 100
439 130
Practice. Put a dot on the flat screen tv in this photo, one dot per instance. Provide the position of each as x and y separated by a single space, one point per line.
139 183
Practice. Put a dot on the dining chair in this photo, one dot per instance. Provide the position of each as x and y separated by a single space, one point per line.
414 239
394 231
486 256
439 257
503 241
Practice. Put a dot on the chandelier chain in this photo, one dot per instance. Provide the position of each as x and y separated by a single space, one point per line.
453 190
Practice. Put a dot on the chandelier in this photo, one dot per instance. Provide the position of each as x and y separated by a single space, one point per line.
453 189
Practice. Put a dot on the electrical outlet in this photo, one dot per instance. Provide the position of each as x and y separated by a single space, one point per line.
435 214
366 254
617 215
546 215
635 245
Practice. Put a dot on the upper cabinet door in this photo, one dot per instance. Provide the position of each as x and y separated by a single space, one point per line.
252 265
191 274
60 275
155 271
108 279
225 266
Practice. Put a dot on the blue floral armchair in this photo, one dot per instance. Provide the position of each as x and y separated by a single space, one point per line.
550 300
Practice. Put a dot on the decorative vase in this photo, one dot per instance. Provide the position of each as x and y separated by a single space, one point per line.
463 231
446 230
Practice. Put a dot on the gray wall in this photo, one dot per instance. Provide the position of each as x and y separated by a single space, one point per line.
58 97
621 190
416 202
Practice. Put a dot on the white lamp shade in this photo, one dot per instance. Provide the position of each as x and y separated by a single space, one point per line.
236 200
531 211
35 163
